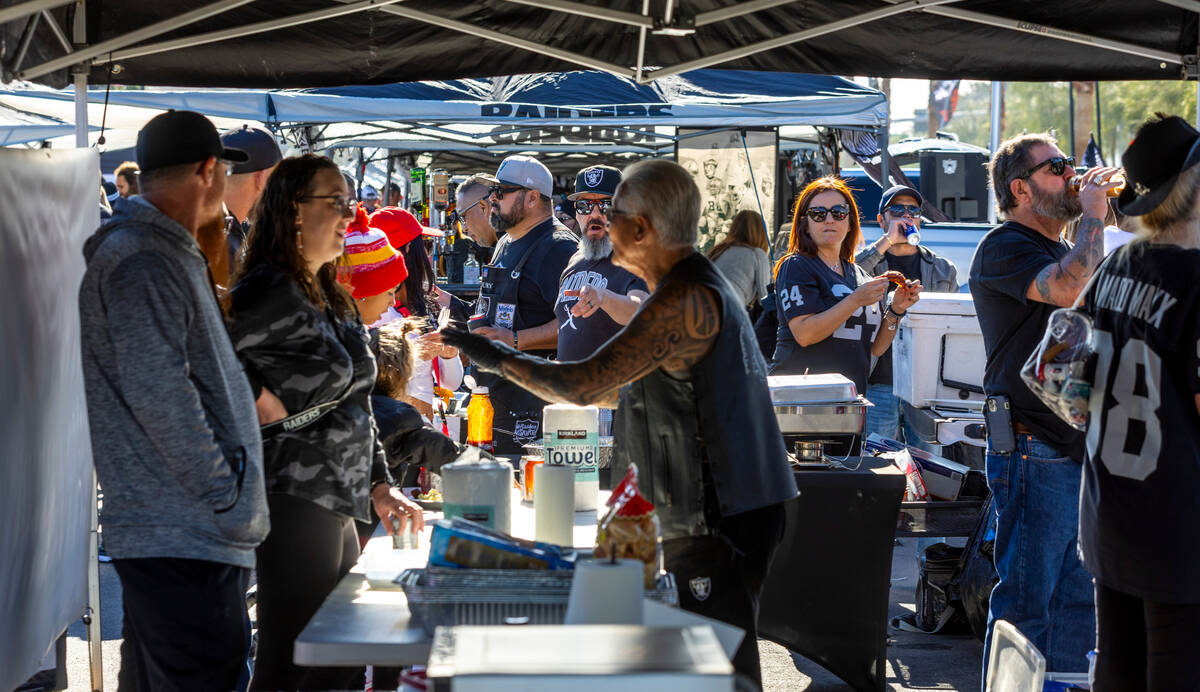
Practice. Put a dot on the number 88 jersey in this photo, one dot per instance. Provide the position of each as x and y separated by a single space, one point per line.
1140 504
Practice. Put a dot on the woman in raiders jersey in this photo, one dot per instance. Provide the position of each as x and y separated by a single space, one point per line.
1139 509
830 308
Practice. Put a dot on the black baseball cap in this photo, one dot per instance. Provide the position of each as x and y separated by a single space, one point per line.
894 190
178 137
600 180
1162 149
258 143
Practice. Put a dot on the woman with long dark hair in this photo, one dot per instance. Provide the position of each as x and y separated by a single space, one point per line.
742 256
830 312
305 350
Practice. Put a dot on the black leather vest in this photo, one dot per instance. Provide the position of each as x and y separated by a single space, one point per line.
707 446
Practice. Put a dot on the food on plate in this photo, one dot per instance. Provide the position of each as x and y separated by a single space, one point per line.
433 495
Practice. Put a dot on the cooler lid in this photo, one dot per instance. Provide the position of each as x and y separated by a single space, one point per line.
793 390
944 304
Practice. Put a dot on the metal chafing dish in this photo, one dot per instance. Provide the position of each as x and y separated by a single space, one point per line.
818 413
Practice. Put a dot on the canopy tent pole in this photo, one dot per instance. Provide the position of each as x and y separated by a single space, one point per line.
641 49
737 10
87 53
997 98
594 11
247 30
882 135
387 185
788 39
504 39
754 185
24 9
1060 34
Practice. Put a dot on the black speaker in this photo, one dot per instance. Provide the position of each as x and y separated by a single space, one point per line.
956 183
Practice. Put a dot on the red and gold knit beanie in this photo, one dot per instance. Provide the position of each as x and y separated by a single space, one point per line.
375 266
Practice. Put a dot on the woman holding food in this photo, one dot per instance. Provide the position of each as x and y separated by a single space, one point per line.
831 311
302 342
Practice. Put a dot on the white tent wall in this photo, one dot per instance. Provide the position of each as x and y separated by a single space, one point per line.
46 488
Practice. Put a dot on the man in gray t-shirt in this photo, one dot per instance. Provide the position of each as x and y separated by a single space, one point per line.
596 298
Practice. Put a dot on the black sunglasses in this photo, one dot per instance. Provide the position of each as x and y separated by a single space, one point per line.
584 207
500 190
344 204
1057 165
903 209
818 214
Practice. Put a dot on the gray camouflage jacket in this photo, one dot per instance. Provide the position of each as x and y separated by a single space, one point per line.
937 272
307 356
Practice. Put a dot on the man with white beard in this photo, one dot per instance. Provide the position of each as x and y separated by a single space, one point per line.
596 298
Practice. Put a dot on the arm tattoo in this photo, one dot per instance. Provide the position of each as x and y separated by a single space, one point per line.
1061 282
676 328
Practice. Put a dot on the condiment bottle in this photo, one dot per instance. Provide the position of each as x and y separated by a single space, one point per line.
479 420
1076 182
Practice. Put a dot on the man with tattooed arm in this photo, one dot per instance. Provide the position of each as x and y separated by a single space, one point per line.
1022 271
695 413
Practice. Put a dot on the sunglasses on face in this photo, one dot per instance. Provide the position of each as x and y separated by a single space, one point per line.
584 207
344 204
818 214
500 190
903 210
1057 165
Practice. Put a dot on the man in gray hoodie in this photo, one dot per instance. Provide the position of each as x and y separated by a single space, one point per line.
173 425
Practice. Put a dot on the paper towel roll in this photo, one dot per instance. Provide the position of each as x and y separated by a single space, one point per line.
606 593
554 505
571 437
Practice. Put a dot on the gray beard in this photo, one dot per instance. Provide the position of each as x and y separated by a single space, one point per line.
1063 207
594 249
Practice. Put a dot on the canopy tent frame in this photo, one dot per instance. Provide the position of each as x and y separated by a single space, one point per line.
124 46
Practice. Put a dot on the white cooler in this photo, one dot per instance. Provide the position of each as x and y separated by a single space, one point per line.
938 361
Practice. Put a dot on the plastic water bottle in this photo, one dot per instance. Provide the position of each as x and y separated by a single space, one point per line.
912 234
471 270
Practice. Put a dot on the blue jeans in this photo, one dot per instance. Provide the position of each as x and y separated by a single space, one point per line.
885 418
1044 589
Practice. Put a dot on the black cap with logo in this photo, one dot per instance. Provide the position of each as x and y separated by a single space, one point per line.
600 180
178 137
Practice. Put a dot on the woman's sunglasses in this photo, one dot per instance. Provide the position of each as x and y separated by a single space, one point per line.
839 212
1057 165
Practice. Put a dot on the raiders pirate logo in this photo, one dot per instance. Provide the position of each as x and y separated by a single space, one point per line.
700 587
592 177
526 430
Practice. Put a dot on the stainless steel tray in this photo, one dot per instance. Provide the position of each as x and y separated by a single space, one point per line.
448 597
834 418
810 389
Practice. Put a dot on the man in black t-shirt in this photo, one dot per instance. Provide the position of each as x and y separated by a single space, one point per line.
518 289
900 206
596 298
1022 271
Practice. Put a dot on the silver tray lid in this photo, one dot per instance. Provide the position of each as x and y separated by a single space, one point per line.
801 390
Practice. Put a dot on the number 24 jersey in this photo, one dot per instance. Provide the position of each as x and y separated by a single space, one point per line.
806 286
1140 506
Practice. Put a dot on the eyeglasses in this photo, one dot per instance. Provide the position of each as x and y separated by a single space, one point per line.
818 214
903 210
500 190
344 204
1057 165
584 207
228 167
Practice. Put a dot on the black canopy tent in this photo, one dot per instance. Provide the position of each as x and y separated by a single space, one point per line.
258 43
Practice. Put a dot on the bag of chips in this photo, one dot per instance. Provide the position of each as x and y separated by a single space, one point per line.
630 528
